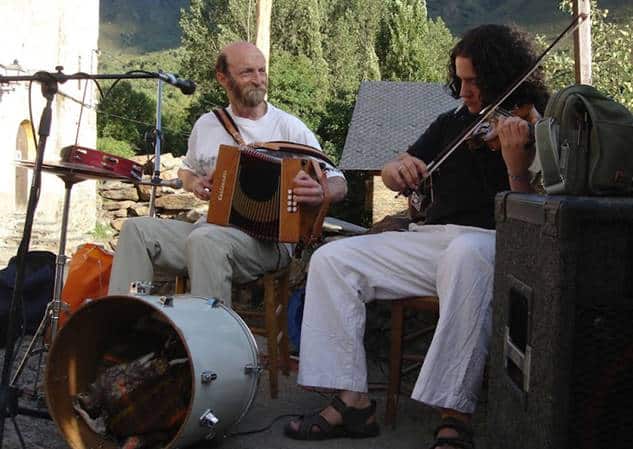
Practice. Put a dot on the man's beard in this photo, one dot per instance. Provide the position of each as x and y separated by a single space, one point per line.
252 96
249 96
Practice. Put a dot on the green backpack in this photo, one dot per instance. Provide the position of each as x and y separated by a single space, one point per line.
585 144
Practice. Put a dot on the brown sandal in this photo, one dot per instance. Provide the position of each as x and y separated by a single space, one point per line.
464 440
354 424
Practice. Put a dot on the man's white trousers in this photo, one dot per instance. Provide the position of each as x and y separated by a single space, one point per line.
455 263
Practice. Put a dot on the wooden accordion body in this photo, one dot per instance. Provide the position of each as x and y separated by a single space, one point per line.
252 190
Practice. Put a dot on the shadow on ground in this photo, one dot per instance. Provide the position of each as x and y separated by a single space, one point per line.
415 423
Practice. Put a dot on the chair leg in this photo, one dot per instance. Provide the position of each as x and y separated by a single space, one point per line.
395 362
282 300
181 285
272 332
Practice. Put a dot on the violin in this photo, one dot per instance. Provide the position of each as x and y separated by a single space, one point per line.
482 136
485 135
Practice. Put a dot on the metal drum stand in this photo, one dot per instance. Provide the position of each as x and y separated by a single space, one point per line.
70 174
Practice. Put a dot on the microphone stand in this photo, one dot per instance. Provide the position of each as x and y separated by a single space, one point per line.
49 84
158 137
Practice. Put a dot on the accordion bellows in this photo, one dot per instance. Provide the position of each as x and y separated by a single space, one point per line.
252 190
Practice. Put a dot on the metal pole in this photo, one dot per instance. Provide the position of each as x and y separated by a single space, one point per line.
157 139
582 43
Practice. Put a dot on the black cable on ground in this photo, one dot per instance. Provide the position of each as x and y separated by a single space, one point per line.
263 429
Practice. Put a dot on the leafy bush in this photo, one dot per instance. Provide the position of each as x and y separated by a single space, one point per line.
114 146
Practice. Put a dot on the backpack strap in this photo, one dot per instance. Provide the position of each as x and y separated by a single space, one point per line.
229 125
547 145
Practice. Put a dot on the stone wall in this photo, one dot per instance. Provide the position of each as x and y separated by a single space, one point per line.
122 200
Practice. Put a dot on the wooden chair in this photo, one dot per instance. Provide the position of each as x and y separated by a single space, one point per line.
274 317
429 304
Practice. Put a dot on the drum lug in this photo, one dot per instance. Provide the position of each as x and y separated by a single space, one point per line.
209 420
213 302
253 369
65 307
140 288
208 376
166 301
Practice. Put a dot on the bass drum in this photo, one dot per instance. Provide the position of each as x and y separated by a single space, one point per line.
223 359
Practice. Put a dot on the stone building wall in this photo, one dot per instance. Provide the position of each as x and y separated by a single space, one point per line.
39 35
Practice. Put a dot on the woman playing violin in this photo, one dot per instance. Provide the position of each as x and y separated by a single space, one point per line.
451 255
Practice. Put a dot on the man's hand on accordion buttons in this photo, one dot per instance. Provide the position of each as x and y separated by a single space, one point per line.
307 190
202 186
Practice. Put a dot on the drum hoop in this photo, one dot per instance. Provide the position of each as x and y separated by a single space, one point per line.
256 357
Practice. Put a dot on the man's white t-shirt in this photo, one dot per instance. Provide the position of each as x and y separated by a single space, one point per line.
208 133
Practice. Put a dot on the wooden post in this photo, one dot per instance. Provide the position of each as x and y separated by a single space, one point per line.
262 39
582 43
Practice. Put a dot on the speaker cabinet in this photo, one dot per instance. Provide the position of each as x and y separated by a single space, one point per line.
561 360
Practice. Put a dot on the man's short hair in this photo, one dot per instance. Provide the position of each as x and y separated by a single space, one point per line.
222 64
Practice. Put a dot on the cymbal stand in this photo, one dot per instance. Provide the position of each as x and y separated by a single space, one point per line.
54 307
49 84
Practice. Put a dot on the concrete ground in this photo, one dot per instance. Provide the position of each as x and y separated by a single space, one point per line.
415 423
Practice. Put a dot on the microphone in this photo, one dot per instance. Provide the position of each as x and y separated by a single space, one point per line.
187 87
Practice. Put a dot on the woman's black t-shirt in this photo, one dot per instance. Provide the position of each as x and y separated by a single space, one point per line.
464 186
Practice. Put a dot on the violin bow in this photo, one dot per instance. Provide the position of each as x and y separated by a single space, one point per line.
486 112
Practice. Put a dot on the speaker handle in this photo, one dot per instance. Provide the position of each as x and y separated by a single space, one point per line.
517 350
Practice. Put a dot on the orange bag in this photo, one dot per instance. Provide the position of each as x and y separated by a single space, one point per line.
88 277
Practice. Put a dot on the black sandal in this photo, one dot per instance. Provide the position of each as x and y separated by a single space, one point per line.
464 440
354 424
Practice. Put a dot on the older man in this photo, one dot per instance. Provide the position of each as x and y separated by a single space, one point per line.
213 256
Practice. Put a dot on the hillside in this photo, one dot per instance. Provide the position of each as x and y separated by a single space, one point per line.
541 16
141 26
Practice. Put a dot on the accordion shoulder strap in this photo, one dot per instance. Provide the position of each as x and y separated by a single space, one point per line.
283 145
229 125
317 227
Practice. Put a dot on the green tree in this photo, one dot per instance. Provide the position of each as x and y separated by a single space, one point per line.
295 28
297 88
412 47
124 114
349 33
176 129
612 57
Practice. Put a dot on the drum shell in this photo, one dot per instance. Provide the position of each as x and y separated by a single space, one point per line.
215 338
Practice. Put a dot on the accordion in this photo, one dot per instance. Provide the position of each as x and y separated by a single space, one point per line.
253 191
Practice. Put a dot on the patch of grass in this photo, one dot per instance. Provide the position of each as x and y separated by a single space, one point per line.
102 232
